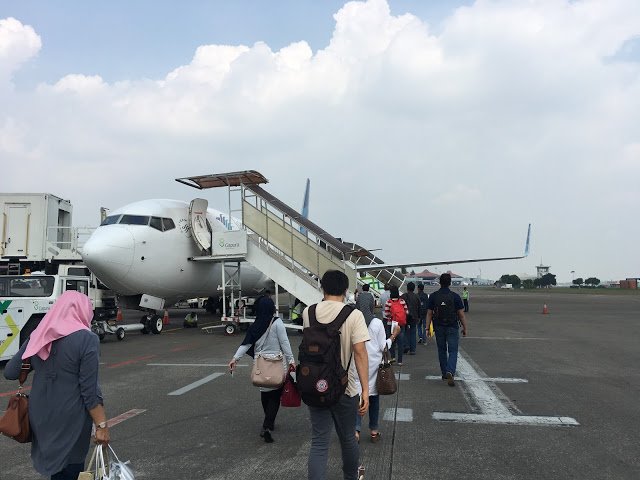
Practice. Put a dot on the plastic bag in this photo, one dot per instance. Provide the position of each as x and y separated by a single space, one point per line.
112 469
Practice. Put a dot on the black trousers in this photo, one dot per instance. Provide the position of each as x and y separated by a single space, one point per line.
270 405
466 305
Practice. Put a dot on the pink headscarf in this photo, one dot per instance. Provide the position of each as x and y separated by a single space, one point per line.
71 312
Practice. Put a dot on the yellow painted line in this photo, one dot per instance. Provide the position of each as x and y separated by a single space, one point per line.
14 329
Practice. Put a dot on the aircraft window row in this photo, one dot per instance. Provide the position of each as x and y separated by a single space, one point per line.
161 224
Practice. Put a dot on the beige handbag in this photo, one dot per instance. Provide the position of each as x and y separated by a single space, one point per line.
89 474
268 369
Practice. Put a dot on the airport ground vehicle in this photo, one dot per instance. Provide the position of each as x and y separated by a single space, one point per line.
25 299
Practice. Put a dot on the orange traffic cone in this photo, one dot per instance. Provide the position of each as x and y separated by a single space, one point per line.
119 315
165 319
545 309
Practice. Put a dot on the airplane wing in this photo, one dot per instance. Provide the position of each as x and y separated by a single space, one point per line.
387 266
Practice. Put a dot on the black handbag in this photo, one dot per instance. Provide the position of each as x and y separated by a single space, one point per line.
386 383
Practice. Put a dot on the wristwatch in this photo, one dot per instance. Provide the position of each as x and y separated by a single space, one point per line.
101 425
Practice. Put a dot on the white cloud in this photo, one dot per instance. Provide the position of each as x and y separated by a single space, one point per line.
18 43
513 111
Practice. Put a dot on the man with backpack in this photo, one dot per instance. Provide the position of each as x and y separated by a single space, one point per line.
413 306
395 310
333 335
445 310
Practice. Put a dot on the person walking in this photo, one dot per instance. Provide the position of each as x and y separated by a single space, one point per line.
413 306
384 296
395 310
268 336
65 401
423 331
353 335
465 299
375 348
445 310
366 303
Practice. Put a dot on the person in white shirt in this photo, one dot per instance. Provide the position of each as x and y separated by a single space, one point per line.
375 348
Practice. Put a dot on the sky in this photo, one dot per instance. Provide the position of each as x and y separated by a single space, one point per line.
431 130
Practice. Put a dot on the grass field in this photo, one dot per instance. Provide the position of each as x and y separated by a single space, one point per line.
564 290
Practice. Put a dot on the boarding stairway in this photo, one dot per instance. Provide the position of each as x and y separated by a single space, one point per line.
284 245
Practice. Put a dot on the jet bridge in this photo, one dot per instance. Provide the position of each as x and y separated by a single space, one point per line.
275 242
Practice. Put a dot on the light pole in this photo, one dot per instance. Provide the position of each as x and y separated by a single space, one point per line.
573 276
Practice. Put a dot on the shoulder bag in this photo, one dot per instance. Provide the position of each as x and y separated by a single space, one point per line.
15 421
268 369
386 379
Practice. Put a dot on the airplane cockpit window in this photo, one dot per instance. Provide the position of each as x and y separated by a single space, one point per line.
110 220
156 222
134 220
168 224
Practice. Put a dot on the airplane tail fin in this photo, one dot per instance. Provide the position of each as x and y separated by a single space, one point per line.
305 206
526 246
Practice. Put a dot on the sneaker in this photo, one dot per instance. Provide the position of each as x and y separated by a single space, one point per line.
419 340
267 436
393 360
412 353
399 364
450 381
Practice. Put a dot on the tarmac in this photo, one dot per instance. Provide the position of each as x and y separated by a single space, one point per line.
537 397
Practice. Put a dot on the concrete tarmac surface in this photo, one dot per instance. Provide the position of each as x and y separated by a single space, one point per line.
537 397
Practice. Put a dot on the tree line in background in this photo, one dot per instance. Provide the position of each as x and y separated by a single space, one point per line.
545 281
590 282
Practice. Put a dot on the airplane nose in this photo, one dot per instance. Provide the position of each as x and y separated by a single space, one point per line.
109 254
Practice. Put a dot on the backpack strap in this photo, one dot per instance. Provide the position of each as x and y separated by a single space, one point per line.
336 323
342 317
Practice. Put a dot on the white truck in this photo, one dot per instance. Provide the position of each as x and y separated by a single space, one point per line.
25 299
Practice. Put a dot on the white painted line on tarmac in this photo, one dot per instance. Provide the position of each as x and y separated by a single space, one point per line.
197 384
398 414
192 365
492 409
506 338
482 379
403 376
504 419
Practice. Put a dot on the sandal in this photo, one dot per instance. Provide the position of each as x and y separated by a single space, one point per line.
375 437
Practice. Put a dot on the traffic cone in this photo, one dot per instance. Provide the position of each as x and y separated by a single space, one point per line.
119 315
165 319
545 309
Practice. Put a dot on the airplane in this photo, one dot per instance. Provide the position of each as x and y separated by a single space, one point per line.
144 250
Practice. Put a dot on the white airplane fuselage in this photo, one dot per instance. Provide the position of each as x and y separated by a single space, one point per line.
134 259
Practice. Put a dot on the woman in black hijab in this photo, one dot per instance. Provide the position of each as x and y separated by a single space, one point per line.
270 338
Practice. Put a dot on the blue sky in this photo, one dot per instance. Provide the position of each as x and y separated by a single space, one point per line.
472 118
122 39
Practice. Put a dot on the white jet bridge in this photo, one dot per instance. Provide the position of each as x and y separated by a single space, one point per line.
268 234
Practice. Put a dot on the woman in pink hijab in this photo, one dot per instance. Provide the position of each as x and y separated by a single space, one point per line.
65 399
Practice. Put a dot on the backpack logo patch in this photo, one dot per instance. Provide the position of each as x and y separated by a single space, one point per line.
322 385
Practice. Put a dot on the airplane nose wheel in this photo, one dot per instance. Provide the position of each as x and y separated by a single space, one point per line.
120 333
230 329
155 324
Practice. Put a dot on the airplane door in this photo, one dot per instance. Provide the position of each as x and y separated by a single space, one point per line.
199 226
14 239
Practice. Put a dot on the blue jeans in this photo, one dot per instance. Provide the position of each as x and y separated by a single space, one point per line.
447 338
422 329
374 413
410 338
323 419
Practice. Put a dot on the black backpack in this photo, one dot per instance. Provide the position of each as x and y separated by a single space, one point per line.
320 377
445 309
